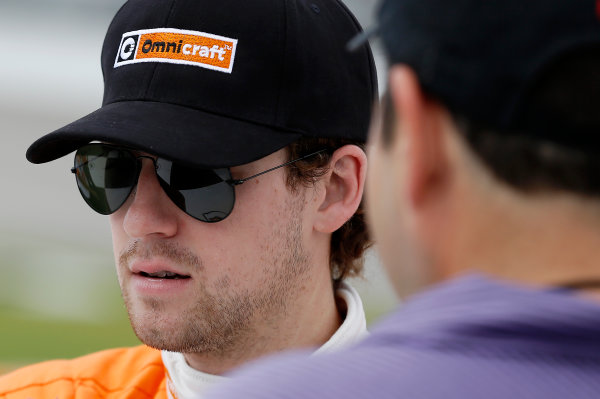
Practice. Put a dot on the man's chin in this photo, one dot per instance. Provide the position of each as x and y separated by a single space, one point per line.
164 340
158 328
211 325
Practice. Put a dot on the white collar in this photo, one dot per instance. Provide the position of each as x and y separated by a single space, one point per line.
184 382
354 327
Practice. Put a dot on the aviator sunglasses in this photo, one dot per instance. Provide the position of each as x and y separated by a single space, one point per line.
107 174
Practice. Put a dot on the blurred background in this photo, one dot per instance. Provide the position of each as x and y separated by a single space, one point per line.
59 296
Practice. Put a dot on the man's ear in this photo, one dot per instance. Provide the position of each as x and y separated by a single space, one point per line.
342 188
419 122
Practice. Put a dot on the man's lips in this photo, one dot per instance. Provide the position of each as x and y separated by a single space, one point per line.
164 274
158 278
157 270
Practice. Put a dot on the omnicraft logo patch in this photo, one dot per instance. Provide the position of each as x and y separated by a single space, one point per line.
177 47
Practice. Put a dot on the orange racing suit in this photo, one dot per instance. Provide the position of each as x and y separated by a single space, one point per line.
117 373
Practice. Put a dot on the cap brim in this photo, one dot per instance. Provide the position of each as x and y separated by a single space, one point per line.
168 130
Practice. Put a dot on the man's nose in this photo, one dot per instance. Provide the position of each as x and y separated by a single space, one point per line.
150 211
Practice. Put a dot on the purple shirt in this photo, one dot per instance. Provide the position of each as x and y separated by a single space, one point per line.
472 337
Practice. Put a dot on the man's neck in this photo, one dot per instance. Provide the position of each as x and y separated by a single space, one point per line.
553 241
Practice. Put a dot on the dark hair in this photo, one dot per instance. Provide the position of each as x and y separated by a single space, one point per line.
350 241
567 94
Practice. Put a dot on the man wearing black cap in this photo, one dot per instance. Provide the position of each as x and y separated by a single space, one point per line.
227 154
484 199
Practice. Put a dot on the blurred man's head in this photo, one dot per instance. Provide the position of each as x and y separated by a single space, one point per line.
228 154
486 156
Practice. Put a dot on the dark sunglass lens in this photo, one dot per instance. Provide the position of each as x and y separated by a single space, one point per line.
203 194
105 176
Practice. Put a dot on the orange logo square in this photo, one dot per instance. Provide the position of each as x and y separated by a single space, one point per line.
177 46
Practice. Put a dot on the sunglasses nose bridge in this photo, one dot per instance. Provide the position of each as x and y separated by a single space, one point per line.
163 184
147 174
140 165
142 157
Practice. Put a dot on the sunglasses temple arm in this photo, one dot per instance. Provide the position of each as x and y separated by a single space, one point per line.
244 180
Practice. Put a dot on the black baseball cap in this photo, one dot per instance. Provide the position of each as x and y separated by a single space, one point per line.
223 83
481 59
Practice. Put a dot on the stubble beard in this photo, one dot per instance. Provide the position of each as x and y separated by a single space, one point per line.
220 326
